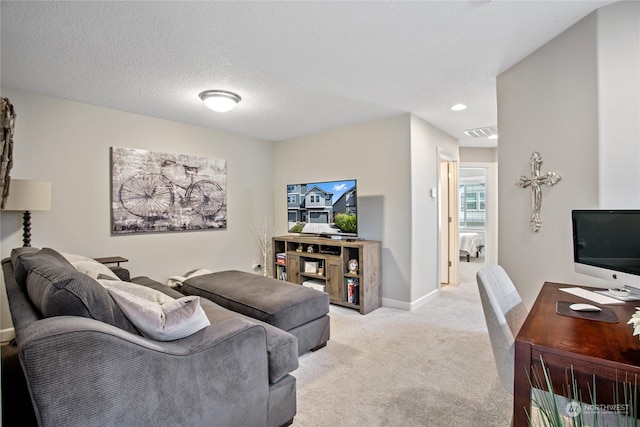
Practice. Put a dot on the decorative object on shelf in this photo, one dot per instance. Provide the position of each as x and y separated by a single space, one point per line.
264 233
282 272
281 258
166 192
310 249
311 267
26 195
220 101
299 248
353 290
535 182
352 266
7 123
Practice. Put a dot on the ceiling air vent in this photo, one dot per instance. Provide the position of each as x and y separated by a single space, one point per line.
482 132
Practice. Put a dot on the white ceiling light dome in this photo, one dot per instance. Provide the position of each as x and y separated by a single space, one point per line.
220 101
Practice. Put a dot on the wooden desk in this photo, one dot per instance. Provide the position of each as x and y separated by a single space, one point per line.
591 347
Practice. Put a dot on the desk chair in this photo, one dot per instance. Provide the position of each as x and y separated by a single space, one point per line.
504 313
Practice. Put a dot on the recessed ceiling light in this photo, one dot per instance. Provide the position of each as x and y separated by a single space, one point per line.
492 137
220 100
458 107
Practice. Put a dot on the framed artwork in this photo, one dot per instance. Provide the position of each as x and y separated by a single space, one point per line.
7 123
311 267
153 191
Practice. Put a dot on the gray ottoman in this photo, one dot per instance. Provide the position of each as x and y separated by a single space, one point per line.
299 310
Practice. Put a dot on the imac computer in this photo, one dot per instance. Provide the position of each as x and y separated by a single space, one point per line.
606 245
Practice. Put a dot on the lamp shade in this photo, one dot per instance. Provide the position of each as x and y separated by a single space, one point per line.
28 195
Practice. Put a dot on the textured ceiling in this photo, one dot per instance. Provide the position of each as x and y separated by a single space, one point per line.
300 67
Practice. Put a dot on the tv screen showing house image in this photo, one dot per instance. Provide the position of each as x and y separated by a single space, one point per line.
323 208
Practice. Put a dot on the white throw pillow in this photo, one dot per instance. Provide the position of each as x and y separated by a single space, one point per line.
169 321
90 267
140 291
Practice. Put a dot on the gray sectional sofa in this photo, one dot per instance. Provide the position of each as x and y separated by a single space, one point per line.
86 364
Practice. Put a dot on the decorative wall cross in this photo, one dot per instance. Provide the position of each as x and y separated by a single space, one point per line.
535 182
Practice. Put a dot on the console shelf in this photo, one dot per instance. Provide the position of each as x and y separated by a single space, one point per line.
324 263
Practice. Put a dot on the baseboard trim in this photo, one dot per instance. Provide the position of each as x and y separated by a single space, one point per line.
410 306
7 335
394 303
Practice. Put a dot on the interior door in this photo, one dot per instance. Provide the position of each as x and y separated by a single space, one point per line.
448 221
444 223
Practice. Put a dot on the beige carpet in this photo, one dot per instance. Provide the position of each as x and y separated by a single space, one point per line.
430 367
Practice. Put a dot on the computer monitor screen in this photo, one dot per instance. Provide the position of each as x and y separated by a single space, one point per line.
606 244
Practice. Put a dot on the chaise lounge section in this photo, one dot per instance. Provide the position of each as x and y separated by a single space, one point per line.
301 311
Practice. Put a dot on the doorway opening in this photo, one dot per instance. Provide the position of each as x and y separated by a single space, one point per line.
472 219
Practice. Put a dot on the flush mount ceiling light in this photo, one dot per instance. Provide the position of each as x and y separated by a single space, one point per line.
458 107
219 100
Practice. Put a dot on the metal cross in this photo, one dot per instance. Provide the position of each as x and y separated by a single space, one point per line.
535 181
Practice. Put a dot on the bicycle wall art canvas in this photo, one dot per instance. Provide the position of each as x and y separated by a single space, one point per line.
154 191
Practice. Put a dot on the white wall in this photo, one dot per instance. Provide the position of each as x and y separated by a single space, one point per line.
618 44
68 143
549 103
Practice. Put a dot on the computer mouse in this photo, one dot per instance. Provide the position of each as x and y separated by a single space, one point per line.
584 307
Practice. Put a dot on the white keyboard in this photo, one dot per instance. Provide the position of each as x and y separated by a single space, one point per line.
592 296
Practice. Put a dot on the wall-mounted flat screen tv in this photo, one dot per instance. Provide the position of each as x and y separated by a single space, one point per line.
328 208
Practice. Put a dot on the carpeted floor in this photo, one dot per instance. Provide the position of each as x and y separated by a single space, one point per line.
429 367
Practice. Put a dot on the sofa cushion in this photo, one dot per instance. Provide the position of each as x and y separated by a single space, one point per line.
120 272
45 256
282 347
168 321
64 291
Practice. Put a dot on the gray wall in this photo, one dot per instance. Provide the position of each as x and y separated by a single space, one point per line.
557 102
68 143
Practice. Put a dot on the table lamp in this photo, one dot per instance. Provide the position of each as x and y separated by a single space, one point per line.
27 195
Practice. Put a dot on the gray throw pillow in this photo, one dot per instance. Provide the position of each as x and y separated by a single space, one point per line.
64 291
46 256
